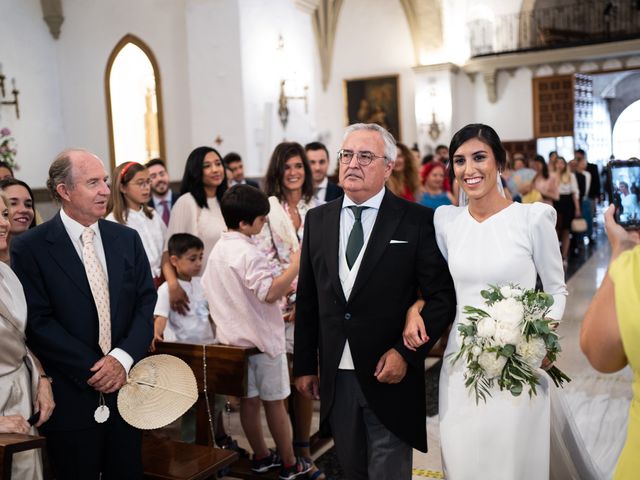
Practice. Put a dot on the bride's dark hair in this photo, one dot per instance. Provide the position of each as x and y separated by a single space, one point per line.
485 134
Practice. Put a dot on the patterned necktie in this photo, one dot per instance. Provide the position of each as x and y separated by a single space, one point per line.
99 289
356 237
165 211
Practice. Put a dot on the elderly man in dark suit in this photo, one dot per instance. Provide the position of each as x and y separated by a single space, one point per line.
364 260
325 189
90 303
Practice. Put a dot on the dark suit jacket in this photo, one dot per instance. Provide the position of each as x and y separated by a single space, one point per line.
595 189
174 197
333 191
62 324
252 183
390 276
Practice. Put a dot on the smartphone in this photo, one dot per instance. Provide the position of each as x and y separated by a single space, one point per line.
624 185
33 419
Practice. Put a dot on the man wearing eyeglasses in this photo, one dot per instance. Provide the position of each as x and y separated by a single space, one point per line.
363 262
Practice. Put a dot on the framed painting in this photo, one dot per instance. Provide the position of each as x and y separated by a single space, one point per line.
374 100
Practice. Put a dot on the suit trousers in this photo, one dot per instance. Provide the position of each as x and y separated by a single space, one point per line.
365 447
113 448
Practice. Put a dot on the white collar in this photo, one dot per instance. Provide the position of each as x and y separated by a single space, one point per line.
166 197
323 183
74 228
373 202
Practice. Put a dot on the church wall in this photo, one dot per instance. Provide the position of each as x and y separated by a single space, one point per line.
215 75
29 55
90 31
512 114
372 39
264 65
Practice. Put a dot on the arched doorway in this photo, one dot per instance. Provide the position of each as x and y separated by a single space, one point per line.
626 133
134 103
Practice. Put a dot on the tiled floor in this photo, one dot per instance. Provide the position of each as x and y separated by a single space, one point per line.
588 388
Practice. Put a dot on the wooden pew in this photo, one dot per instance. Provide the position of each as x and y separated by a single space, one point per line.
170 460
226 374
221 369
11 443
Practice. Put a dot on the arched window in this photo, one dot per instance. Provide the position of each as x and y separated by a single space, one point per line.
626 133
134 103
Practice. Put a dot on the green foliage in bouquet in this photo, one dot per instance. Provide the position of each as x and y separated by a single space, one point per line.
505 342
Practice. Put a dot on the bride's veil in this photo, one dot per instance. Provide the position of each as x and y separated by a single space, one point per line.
569 457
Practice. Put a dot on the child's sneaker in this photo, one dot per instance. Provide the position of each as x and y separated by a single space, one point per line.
264 464
301 467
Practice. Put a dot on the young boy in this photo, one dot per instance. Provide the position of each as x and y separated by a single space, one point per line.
185 254
242 294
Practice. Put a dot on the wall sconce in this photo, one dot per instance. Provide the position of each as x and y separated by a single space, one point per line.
283 103
14 92
435 127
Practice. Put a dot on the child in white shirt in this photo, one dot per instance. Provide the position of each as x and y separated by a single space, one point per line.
185 254
243 295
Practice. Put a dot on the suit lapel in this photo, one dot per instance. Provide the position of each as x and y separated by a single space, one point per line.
389 216
331 227
115 262
65 255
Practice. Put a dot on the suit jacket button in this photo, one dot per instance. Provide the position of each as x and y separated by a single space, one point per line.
347 316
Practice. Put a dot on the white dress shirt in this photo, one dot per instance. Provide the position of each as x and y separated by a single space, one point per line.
74 230
321 191
152 232
348 277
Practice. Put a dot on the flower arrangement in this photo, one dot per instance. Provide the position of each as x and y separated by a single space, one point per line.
506 342
7 148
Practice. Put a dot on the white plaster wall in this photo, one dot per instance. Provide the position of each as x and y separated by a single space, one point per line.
512 114
372 39
434 93
214 75
264 66
464 92
29 56
90 31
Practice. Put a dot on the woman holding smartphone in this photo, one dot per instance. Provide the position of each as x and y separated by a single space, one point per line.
610 336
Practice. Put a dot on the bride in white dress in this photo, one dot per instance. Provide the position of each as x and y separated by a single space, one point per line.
493 241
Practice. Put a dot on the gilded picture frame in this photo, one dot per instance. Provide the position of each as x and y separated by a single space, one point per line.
373 100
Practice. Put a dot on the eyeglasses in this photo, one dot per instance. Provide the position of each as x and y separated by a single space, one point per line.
142 183
363 158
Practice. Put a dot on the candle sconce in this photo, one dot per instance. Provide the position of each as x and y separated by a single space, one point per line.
14 92
283 103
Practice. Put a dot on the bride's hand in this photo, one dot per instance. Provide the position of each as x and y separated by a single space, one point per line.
415 334
546 364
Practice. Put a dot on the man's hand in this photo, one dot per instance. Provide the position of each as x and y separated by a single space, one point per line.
44 401
178 299
109 375
391 367
308 386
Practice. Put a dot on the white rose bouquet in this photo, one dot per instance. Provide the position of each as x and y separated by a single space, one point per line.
506 342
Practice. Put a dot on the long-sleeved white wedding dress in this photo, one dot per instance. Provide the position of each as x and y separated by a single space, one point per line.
507 437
